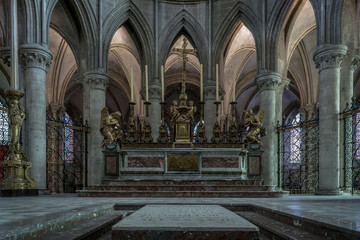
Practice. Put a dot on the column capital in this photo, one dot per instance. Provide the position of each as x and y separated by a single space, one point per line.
210 92
329 56
154 91
355 62
284 84
268 80
97 80
36 56
5 54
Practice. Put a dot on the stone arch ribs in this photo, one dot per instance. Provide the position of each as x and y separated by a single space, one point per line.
130 16
184 23
239 13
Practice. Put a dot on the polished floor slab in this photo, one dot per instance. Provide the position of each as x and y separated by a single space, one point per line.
19 213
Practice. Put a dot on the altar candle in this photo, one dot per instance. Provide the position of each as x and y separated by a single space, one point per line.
146 84
132 84
234 88
217 82
162 84
14 47
201 83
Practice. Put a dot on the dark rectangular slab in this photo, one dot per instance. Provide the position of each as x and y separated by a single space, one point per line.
184 222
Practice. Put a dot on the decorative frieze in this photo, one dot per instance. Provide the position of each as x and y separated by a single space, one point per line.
330 56
268 81
97 80
36 57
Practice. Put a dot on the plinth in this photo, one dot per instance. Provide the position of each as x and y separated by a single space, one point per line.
184 222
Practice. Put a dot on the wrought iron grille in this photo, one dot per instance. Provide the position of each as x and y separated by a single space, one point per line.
5 136
351 165
66 154
299 156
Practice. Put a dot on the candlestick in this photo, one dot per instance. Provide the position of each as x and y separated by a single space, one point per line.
14 47
147 128
201 84
162 84
234 87
132 84
146 84
217 82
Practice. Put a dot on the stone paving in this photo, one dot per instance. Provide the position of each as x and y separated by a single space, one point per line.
342 211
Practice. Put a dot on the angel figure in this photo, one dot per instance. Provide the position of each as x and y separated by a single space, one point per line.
110 126
254 122
192 110
174 111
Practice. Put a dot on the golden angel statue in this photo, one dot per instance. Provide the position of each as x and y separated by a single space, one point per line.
110 127
254 122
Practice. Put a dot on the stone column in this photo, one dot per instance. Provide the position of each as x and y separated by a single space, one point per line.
268 82
328 59
209 110
36 60
284 85
348 67
97 83
155 110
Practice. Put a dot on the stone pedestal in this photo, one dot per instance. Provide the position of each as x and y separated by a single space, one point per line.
165 222
111 159
328 59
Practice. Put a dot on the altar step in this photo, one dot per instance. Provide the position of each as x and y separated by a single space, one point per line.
182 188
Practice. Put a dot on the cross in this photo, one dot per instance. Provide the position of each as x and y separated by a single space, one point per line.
184 51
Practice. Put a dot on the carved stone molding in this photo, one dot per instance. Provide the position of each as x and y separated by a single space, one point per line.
154 92
330 56
355 63
209 92
268 80
283 85
56 110
309 111
36 57
97 80
5 54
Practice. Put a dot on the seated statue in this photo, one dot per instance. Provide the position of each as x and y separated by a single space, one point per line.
254 122
110 127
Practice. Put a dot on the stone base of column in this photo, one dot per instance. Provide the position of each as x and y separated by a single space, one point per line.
19 193
329 192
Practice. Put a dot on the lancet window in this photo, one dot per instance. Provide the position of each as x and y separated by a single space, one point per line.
295 140
68 139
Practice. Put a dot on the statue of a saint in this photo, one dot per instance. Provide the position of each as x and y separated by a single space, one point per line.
254 122
110 127
16 119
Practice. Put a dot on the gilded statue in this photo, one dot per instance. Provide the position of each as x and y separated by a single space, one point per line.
110 127
254 122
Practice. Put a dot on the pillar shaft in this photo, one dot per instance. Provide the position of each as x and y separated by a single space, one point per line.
268 83
155 110
97 83
328 59
36 61
209 110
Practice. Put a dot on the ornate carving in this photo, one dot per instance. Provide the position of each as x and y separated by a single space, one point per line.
36 57
97 81
355 63
254 122
268 81
6 55
155 92
110 127
210 92
330 56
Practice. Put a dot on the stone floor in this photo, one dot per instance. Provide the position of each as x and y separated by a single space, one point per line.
17 213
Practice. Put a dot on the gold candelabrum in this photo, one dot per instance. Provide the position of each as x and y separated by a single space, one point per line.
201 138
163 135
233 132
217 138
16 164
147 128
131 136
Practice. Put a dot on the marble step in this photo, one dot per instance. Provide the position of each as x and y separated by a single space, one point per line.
92 229
155 188
144 182
277 230
170 194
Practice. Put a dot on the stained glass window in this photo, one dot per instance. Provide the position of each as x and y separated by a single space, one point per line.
4 126
295 140
68 139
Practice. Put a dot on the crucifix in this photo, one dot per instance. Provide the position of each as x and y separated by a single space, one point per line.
184 52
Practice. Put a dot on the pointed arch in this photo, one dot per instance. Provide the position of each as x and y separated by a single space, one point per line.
183 23
130 16
239 13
